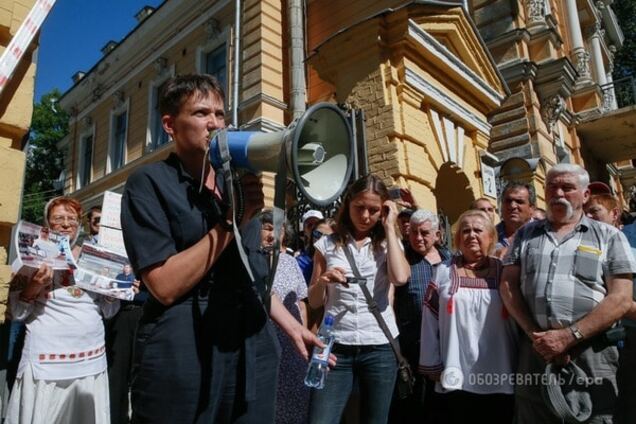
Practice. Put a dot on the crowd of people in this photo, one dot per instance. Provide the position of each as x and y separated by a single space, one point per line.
528 320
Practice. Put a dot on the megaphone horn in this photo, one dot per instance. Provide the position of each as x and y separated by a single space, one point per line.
318 152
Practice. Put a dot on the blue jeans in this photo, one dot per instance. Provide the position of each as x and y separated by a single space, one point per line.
375 369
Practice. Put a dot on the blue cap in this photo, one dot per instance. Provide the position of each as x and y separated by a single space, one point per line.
329 320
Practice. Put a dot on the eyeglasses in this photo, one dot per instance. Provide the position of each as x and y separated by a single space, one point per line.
59 219
316 234
96 220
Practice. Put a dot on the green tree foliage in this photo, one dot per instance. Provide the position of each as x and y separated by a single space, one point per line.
44 162
625 59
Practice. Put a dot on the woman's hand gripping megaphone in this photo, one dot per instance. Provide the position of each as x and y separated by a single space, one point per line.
248 197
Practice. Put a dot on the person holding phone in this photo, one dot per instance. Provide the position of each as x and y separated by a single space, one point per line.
366 225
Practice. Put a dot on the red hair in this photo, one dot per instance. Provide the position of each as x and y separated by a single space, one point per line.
67 202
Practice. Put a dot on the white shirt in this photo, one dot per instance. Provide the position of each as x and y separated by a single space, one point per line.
472 341
64 333
354 324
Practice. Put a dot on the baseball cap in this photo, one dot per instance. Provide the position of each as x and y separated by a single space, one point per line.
597 187
312 213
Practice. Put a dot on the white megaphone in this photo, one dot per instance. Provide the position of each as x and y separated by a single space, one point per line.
318 151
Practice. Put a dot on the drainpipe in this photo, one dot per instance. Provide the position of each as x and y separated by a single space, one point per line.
237 61
297 55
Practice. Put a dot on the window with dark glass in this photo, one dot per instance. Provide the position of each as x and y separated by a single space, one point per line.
87 156
118 147
216 65
159 136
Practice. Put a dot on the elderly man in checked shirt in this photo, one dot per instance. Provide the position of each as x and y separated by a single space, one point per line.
423 256
566 281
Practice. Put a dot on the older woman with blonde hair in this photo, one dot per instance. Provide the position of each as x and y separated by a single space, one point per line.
62 373
468 343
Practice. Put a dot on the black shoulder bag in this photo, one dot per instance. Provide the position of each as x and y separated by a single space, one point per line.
405 379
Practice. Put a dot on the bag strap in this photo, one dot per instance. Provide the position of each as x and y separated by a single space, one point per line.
373 307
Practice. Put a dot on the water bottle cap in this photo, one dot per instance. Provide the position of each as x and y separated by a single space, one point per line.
329 320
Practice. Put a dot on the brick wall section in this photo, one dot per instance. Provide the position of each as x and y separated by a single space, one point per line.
382 147
262 56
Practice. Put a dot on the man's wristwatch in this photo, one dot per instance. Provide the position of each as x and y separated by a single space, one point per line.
574 329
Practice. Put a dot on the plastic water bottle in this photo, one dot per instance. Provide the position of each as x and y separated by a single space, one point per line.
319 363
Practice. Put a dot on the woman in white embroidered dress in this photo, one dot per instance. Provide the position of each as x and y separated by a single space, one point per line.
468 343
62 373
366 225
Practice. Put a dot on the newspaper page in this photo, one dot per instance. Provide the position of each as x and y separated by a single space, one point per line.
104 271
110 234
37 245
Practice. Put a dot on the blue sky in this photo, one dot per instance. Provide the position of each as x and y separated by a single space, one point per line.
74 33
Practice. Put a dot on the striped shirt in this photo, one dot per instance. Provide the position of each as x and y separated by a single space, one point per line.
564 280
410 297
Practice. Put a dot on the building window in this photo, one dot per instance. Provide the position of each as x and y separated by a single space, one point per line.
118 138
155 135
212 58
86 159
158 136
216 65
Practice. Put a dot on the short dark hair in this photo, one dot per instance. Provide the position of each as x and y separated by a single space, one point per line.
92 211
517 185
179 88
267 217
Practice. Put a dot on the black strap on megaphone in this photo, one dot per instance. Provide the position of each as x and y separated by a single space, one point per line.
224 151
278 214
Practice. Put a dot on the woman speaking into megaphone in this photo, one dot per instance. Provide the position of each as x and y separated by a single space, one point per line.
204 326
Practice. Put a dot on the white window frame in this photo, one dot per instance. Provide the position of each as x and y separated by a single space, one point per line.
222 38
153 98
89 132
124 108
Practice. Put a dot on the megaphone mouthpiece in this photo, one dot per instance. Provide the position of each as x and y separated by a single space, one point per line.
311 154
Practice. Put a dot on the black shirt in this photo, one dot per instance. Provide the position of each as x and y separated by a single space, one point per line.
186 353
163 213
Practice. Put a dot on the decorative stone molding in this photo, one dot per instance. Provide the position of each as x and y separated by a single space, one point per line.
596 30
555 77
212 28
160 65
535 11
87 121
582 63
97 92
119 97
608 99
552 110
610 62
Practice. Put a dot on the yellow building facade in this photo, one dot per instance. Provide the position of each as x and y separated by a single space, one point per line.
557 58
16 108
115 126
419 71
427 85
